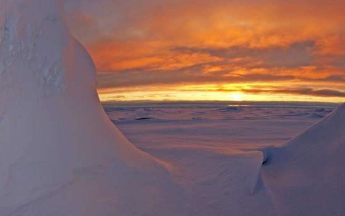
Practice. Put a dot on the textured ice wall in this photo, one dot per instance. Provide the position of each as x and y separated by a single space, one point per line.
23 51
59 152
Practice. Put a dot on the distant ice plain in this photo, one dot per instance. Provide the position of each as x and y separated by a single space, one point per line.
212 149
150 126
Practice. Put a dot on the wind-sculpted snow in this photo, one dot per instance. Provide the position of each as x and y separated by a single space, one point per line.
61 155
306 176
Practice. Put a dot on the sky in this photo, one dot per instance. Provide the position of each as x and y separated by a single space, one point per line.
228 50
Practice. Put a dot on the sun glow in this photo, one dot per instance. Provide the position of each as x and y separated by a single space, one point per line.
237 96
209 92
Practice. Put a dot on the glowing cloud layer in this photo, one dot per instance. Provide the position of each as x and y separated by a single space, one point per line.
266 50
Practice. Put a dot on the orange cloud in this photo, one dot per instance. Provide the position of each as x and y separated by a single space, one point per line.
182 42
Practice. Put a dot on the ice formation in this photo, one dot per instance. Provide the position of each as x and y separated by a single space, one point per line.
306 176
60 154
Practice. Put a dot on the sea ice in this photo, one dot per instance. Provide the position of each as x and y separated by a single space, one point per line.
61 155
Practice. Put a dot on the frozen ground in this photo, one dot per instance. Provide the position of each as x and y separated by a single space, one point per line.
61 155
211 149
152 126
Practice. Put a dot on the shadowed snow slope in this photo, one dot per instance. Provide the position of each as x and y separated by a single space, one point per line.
306 175
60 154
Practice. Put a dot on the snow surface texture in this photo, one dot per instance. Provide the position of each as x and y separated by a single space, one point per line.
212 125
61 155
305 176
197 139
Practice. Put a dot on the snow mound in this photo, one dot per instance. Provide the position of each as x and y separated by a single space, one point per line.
60 154
306 175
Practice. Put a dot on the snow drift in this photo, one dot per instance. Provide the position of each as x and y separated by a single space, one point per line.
306 175
60 154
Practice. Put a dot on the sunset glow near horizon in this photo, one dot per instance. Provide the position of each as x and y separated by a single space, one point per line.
239 50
